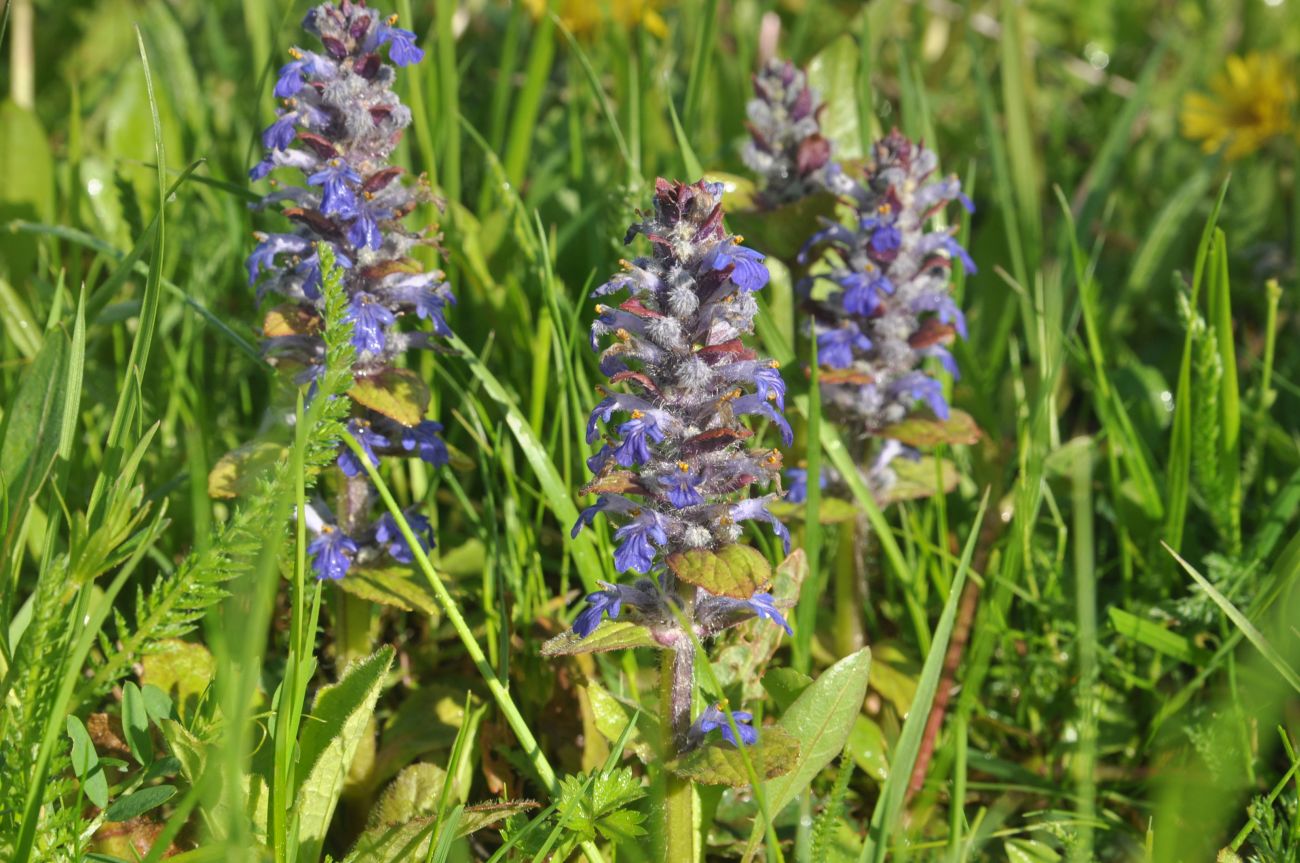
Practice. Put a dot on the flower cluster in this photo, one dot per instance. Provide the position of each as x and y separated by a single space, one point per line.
675 467
889 306
338 124
786 148
1250 103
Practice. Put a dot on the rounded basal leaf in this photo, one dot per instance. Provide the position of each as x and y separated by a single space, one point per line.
833 510
238 471
920 479
139 802
610 635
924 432
291 320
399 394
394 586
775 754
737 570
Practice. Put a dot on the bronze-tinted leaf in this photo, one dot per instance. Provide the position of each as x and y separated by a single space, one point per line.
735 570
714 439
610 635
291 320
928 431
616 482
400 394
238 471
775 754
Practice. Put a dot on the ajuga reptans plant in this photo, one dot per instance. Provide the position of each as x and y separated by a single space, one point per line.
786 148
676 461
879 298
337 126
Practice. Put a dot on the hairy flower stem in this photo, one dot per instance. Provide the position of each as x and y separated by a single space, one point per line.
677 676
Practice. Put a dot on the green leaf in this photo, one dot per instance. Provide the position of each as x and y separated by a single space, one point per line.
775 754
85 763
833 510
135 723
915 480
399 843
329 742
156 703
833 74
237 472
1253 635
785 685
866 746
136 804
394 586
612 717
1157 637
820 719
610 635
414 793
1029 851
736 570
181 669
400 394
31 430
925 432
26 183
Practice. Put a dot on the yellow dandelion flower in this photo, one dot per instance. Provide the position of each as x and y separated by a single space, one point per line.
584 16
1248 105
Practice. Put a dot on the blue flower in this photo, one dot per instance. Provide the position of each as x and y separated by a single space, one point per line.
633 449
756 509
293 74
770 385
764 606
862 292
756 404
681 487
401 45
364 232
369 439
263 256
599 604
714 719
920 387
339 198
369 320
280 134
389 535
748 274
797 492
309 269
424 439
331 553
635 552
836 347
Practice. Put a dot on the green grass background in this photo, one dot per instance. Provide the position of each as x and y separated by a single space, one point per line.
1134 376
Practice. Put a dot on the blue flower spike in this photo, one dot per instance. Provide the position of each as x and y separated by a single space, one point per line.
329 149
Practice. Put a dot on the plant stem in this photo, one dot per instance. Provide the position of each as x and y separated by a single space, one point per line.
677 686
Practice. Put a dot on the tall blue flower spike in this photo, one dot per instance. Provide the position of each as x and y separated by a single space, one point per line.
786 148
889 306
675 464
338 123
